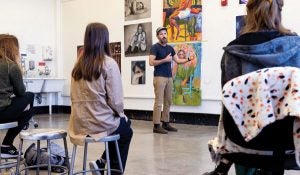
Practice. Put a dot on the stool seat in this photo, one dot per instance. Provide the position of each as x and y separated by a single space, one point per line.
38 135
7 164
103 139
8 125
43 134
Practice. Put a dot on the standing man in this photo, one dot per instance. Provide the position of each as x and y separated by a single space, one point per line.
161 56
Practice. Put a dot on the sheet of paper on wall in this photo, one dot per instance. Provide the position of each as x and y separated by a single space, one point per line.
34 52
31 49
47 53
34 55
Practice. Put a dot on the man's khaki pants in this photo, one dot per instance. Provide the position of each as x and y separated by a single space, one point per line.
163 96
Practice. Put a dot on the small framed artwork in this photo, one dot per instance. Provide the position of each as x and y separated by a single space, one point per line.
79 50
135 10
115 50
138 72
243 1
138 39
240 22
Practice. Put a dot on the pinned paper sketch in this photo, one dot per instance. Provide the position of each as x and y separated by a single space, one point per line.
187 77
36 60
47 53
31 49
183 18
137 9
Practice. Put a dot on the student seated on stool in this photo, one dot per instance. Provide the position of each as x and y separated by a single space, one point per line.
14 101
97 97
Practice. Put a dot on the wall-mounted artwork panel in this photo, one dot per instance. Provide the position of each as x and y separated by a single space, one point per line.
187 77
183 18
137 39
138 72
37 61
137 9
240 22
243 1
115 49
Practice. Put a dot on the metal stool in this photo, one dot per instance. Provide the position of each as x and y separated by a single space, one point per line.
7 164
43 134
112 138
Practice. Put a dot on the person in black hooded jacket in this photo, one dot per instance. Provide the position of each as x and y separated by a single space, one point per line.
264 43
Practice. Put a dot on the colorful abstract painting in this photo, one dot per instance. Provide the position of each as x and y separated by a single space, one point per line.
183 18
187 77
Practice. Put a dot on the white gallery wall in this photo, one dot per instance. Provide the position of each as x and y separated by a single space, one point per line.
61 24
218 30
35 23
32 21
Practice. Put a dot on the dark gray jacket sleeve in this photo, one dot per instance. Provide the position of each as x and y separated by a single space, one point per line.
16 80
230 67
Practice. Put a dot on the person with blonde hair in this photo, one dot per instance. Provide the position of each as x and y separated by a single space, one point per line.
97 98
16 105
264 43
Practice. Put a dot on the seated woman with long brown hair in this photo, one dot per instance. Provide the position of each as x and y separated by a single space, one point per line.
16 105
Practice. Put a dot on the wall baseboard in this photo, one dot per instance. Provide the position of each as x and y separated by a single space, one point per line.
175 117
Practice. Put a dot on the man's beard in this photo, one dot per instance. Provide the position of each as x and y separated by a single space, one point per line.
164 40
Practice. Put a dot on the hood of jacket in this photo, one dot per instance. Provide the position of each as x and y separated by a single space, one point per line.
277 52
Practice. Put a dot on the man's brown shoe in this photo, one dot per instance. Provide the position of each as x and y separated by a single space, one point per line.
168 127
160 130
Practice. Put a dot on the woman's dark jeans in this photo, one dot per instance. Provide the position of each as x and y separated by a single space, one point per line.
15 113
125 132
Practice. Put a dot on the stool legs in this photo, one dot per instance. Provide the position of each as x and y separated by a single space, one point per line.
84 157
67 154
119 157
38 151
49 157
0 161
38 156
108 168
73 159
19 156
107 158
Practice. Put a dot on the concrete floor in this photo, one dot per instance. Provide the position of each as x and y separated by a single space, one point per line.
181 153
